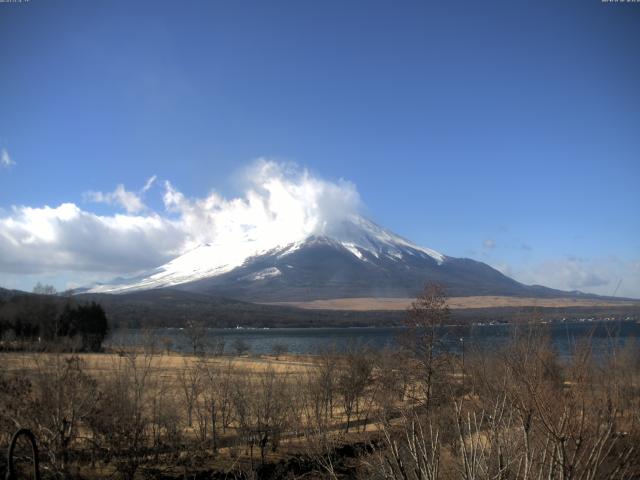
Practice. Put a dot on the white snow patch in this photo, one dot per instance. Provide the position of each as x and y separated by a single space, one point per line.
354 250
395 254
289 249
262 274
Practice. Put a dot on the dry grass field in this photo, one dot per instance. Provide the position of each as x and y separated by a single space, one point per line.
179 383
142 414
394 304
167 365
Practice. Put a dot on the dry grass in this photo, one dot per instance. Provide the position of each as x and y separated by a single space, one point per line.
299 433
164 379
391 304
100 363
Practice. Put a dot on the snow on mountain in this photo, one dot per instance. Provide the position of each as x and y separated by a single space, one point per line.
262 274
295 237
359 236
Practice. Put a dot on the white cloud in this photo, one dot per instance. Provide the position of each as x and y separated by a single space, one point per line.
66 238
5 159
149 183
130 201
280 203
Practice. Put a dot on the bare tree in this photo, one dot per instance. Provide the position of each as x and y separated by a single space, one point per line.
262 410
392 378
121 420
167 343
196 334
43 289
412 452
425 319
539 419
190 383
165 421
354 376
214 412
240 346
280 349
326 364
62 397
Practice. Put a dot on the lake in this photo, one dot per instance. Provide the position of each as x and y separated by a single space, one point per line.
564 335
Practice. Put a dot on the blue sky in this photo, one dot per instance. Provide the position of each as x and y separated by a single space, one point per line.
504 131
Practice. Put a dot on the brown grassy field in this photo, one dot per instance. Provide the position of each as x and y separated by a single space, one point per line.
164 376
150 414
395 304
98 364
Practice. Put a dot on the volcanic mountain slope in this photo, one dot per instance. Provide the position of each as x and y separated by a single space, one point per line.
353 258
322 268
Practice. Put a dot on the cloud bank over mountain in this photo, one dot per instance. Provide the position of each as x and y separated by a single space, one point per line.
280 201
69 245
67 238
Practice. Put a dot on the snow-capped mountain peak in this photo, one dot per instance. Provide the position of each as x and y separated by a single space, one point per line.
356 234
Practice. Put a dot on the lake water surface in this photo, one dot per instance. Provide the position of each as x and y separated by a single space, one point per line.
564 336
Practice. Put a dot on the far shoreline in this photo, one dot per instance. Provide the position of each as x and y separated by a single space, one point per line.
392 304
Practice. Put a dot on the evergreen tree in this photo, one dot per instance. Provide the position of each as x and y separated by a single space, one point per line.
89 321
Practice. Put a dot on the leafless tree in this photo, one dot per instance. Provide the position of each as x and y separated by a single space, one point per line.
167 344
353 377
262 410
411 451
190 380
64 398
196 334
165 424
120 423
392 378
240 346
425 319
43 289
538 419
214 412
280 349
324 380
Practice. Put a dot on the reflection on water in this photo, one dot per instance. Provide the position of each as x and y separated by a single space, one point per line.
564 336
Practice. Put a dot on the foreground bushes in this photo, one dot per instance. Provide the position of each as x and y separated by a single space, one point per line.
524 414
520 412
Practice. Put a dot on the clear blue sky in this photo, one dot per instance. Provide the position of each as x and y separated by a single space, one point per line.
504 131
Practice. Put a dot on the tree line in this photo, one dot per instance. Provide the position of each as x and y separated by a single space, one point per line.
44 319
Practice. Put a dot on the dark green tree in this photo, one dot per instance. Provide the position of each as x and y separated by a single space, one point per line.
89 321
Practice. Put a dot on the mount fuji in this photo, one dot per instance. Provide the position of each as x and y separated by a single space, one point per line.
350 257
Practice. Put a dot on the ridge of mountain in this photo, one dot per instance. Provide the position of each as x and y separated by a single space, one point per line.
350 258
